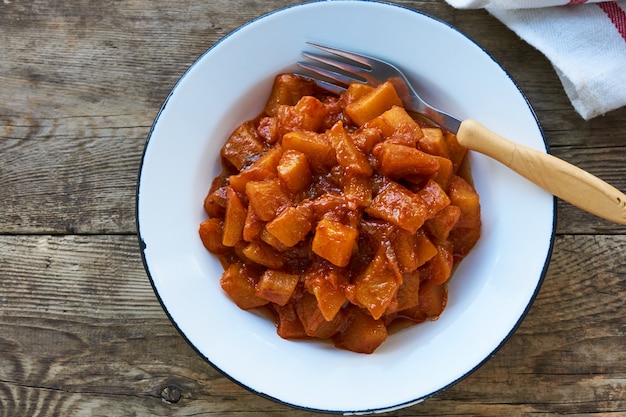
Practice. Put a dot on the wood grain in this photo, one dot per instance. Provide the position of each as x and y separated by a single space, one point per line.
73 83
76 115
82 332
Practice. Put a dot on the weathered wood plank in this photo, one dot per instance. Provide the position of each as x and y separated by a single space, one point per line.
74 112
84 334
85 182
81 331
75 175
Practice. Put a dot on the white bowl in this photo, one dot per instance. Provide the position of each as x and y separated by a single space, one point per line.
489 293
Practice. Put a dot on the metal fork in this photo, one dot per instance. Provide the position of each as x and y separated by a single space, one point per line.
338 68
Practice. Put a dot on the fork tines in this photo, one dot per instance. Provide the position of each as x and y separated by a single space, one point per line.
340 72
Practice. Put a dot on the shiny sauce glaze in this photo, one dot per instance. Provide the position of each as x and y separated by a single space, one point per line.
343 217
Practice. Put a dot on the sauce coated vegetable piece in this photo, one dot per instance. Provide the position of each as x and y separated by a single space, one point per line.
341 215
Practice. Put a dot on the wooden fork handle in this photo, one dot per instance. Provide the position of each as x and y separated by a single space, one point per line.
560 178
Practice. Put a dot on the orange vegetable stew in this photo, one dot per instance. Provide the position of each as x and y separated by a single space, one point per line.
343 216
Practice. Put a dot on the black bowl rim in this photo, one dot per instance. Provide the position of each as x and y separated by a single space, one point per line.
142 244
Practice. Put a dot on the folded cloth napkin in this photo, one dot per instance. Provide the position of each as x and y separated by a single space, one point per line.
585 41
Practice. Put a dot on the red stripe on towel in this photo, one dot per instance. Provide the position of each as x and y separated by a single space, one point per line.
616 14
577 1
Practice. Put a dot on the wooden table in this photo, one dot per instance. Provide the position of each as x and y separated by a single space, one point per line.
81 330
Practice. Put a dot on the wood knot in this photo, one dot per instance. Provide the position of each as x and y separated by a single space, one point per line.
171 394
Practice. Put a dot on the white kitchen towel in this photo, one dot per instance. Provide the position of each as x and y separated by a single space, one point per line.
584 40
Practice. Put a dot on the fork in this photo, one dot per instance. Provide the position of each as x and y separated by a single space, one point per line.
339 68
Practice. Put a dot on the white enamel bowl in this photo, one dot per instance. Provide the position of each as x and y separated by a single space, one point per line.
489 293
